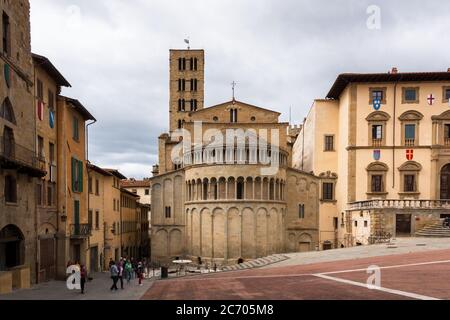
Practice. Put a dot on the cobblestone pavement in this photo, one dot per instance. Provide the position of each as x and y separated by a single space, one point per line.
97 289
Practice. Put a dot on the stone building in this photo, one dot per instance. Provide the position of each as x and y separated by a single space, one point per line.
139 187
19 167
219 203
381 143
48 82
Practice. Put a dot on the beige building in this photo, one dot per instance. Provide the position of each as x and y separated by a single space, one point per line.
48 82
380 142
223 204
139 187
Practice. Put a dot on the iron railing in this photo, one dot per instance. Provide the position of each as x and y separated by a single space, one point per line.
80 230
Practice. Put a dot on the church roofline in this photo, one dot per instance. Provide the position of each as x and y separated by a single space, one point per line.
235 102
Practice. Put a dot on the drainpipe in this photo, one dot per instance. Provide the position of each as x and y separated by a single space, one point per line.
87 172
393 132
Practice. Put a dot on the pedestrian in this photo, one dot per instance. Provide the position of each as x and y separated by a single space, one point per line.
215 267
111 262
83 277
114 276
140 272
133 267
120 268
128 270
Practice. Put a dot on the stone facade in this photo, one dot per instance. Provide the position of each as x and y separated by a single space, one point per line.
220 205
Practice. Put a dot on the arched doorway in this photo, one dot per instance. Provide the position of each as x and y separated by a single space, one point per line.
445 182
11 247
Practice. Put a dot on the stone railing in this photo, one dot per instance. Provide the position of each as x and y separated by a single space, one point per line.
399 204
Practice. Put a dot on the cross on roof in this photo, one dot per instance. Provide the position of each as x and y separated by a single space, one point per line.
233 87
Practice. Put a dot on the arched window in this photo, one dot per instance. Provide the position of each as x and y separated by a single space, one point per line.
8 143
376 178
410 127
7 112
240 190
233 115
409 177
180 124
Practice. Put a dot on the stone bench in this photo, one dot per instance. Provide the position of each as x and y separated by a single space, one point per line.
6 282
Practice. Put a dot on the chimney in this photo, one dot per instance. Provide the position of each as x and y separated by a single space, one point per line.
394 70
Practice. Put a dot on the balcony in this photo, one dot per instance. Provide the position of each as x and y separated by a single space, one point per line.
400 204
410 142
447 141
80 231
377 142
16 156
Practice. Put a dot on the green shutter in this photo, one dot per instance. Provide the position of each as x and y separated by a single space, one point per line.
74 163
80 176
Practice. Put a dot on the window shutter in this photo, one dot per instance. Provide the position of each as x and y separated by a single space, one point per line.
74 163
7 75
80 176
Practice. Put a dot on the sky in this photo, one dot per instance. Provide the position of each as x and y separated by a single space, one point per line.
283 54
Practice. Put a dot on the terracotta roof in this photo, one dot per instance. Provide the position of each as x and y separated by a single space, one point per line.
99 170
116 173
343 80
233 102
135 183
45 63
129 193
79 107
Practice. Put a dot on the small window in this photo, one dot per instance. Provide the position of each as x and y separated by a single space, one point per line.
75 129
40 146
39 194
97 187
233 115
410 183
7 112
327 191
253 119
378 95
447 94
90 185
410 134
40 90
51 99
301 211
147 192
240 190
447 134
10 189
180 124
6 34
216 119
356 223
366 224
168 212
377 132
410 95
90 221
97 220
329 143
50 195
377 183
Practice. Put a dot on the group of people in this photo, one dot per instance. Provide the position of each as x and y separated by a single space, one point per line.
446 223
128 269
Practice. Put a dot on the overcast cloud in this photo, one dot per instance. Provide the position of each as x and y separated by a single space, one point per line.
281 53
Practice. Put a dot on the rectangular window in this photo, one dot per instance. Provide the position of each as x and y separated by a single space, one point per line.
97 220
356 223
377 95
40 90
410 95
410 134
377 183
335 223
301 211
147 192
90 185
77 175
90 219
97 187
168 212
114 204
410 183
6 34
329 143
10 189
377 132
41 152
50 195
75 129
447 94
51 149
327 191
366 224
51 99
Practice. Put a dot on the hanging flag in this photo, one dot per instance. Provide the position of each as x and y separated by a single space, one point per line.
409 154
40 110
7 74
431 99
376 104
377 155
51 118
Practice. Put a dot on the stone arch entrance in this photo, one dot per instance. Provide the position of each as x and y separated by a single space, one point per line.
304 243
445 182
12 247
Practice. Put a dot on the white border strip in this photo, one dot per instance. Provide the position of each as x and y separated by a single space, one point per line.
359 284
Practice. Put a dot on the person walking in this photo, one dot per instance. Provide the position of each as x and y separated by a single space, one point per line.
114 276
140 272
120 275
128 270
83 277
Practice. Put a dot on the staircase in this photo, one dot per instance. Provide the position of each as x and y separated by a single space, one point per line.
257 263
435 230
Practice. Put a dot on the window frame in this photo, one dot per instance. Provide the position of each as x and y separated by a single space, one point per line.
406 169
10 194
417 91
376 168
325 144
444 93
373 89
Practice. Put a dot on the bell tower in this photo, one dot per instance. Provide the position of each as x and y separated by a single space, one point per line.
187 85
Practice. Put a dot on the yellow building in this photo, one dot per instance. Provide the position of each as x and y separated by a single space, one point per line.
380 142
74 230
129 213
48 82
